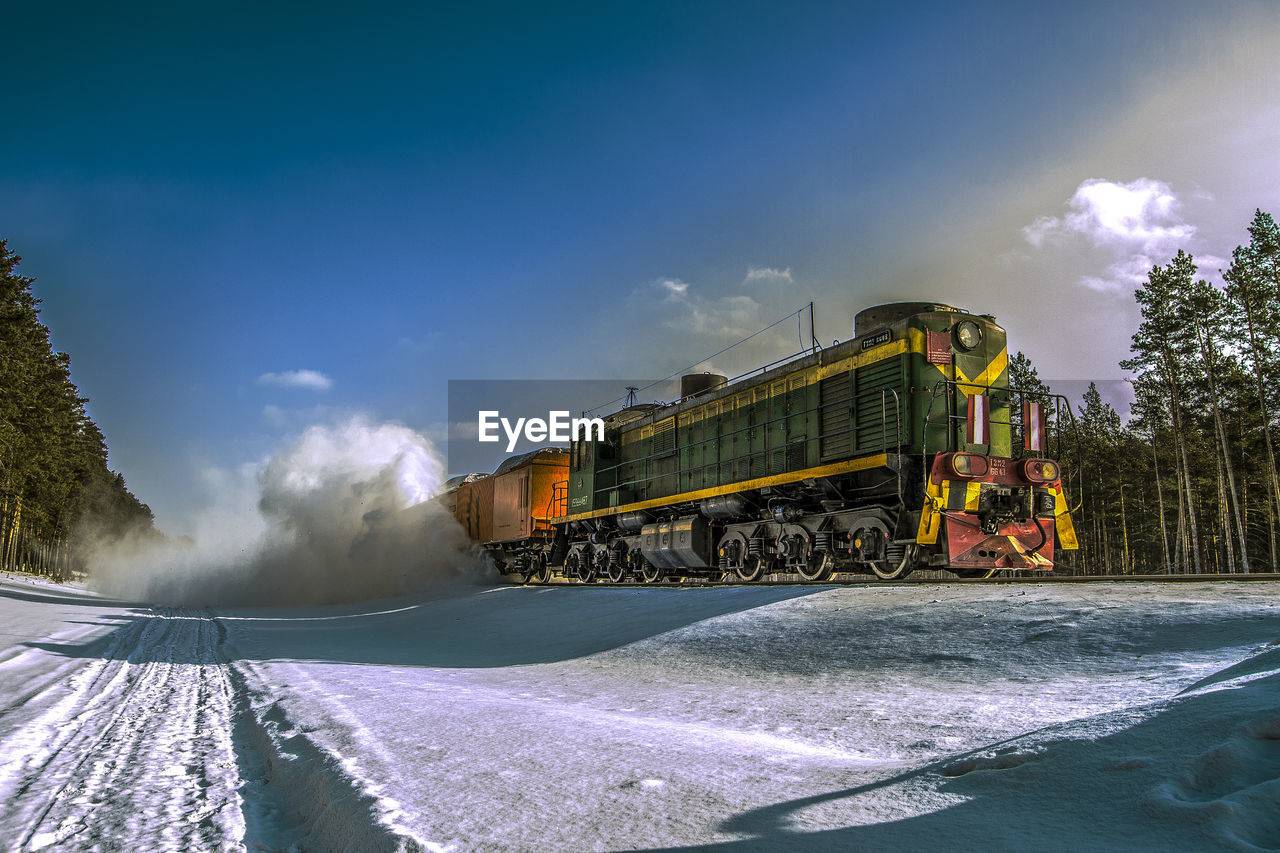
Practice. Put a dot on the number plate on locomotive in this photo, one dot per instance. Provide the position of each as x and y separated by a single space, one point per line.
881 337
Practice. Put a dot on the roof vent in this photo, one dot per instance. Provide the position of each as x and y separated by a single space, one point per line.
693 384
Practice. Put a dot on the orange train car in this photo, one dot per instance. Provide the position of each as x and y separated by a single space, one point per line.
522 492
508 511
475 509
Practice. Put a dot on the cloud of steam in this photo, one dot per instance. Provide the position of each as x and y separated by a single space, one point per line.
342 514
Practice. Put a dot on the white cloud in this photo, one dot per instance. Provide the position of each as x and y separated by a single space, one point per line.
1142 213
466 430
282 418
689 323
419 345
675 287
1122 274
718 318
771 274
1135 225
312 380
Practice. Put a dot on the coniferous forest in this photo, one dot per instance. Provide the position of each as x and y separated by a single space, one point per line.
1188 484
56 491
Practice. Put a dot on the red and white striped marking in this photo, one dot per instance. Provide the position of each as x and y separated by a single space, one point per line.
1033 427
978 419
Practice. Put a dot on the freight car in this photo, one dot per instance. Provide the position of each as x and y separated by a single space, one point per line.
506 511
902 447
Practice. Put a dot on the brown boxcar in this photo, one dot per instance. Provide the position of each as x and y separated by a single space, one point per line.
447 497
475 509
522 491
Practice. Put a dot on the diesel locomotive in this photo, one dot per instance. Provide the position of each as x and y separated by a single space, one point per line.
903 447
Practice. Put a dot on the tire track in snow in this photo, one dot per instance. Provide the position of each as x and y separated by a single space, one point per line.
134 750
156 744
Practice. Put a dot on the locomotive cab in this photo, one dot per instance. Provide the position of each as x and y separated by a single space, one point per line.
993 492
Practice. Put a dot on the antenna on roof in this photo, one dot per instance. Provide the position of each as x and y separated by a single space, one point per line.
631 395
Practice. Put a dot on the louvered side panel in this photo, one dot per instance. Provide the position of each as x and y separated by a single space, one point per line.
835 417
878 413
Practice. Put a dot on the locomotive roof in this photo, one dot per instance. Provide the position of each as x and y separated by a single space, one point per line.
629 414
895 313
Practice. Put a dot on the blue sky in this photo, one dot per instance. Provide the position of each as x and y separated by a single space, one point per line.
213 198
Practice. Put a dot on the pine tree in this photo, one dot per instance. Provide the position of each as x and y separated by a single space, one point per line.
1206 308
1161 347
1253 291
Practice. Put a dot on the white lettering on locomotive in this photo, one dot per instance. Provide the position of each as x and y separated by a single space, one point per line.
558 427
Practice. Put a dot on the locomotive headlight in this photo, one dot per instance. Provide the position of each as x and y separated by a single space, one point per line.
968 334
1040 470
968 464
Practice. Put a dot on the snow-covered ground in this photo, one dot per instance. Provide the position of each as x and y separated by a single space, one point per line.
1106 716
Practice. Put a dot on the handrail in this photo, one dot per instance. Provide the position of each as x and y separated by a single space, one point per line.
1060 403
897 412
559 499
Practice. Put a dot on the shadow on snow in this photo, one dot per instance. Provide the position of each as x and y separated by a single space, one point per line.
1200 771
479 628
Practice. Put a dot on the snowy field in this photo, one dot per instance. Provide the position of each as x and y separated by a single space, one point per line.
1073 717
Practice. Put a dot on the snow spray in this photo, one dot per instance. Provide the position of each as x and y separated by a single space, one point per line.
342 514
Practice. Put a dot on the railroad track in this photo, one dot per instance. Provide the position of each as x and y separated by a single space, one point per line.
871 580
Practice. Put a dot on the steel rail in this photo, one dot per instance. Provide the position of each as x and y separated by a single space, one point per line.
871 581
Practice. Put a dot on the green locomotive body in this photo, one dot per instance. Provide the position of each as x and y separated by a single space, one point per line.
838 460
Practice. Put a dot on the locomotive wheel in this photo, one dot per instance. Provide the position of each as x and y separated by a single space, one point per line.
751 570
542 572
587 572
650 573
619 562
885 570
601 563
818 567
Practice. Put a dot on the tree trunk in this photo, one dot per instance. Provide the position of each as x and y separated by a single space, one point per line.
1206 349
1254 350
1181 449
1224 518
1164 533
